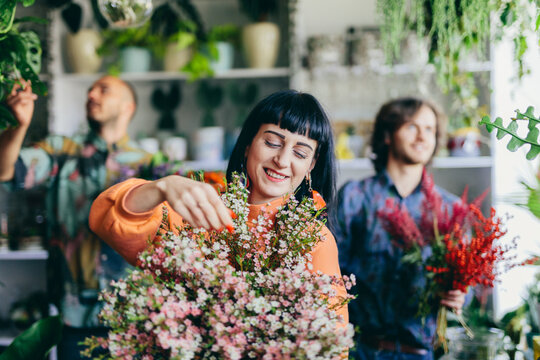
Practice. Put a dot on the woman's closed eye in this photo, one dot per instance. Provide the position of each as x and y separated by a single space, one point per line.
272 144
300 154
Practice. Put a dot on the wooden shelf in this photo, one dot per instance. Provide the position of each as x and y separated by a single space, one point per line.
24 255
165 76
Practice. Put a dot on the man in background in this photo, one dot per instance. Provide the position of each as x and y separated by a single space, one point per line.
72 171
406 135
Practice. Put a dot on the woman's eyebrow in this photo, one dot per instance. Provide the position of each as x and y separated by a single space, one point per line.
283 137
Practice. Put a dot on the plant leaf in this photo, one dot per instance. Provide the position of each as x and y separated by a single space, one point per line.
36 341
72 16
7 14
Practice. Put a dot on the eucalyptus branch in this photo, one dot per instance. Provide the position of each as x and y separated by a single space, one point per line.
517 141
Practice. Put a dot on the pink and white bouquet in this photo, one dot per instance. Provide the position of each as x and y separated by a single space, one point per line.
217 295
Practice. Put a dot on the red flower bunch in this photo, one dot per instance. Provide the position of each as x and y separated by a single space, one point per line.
465 250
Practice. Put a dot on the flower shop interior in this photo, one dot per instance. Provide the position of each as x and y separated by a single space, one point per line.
198 69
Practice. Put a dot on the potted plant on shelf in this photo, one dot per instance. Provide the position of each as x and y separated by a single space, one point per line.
20 57
209 138
222 42
134 46
260 40
81 43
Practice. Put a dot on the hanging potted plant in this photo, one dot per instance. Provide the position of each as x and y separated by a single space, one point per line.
209 138
260 40
20 57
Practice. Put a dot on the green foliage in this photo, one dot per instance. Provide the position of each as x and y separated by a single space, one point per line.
226 32
166 103
35 342
209 98
137 36
453 31
20 56
258 10
516 140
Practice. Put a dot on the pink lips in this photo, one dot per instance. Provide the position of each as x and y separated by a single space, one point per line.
273 178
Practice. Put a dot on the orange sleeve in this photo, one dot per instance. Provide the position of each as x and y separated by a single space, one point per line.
126 232
325 259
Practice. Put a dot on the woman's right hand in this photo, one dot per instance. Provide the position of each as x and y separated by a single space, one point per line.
198 203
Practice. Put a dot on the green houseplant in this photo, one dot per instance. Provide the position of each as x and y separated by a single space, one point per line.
20 56
261 38
133 48
455 31
183 38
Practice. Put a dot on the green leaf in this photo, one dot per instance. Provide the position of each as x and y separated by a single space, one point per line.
35 342
514 144
33 19
533 153
27 3
7 14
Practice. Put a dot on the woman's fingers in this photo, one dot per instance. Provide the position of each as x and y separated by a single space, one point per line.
198 204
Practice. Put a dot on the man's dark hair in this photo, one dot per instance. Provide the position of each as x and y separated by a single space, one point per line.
390 118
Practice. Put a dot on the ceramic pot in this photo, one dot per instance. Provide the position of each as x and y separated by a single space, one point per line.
208 143
464 142
175 59
135 59
81 51
261 44
226 57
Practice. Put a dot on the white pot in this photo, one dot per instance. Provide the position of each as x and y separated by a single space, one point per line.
261 44
175 58
175 148
208 143
81 51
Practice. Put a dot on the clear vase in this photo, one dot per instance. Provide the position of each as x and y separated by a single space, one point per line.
483 346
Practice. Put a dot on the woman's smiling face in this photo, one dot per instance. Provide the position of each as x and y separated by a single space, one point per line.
277 162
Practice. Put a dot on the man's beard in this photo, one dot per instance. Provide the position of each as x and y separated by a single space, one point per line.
402 156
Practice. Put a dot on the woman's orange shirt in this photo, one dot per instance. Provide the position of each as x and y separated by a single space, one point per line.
128 233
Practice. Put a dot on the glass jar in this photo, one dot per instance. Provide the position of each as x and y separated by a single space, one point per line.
483 346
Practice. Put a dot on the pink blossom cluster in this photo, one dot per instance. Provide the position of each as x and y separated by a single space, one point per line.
247 295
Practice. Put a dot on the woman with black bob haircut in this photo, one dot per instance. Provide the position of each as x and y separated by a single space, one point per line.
298 113
285 146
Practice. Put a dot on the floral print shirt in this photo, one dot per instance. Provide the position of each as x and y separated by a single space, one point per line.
387 290
72 172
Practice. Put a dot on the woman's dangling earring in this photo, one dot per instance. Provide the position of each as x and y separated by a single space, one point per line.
308 181
243 169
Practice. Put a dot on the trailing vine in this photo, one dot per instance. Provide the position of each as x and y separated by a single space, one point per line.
454 30
517 141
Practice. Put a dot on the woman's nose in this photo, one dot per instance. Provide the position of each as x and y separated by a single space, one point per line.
282 158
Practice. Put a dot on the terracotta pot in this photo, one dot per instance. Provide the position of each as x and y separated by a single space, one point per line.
81 51
261 44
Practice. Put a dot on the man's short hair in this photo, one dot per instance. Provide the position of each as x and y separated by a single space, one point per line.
391 116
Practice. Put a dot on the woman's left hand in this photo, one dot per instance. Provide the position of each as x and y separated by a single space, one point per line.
454 299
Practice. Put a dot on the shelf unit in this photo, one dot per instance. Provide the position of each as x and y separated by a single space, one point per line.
240 73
